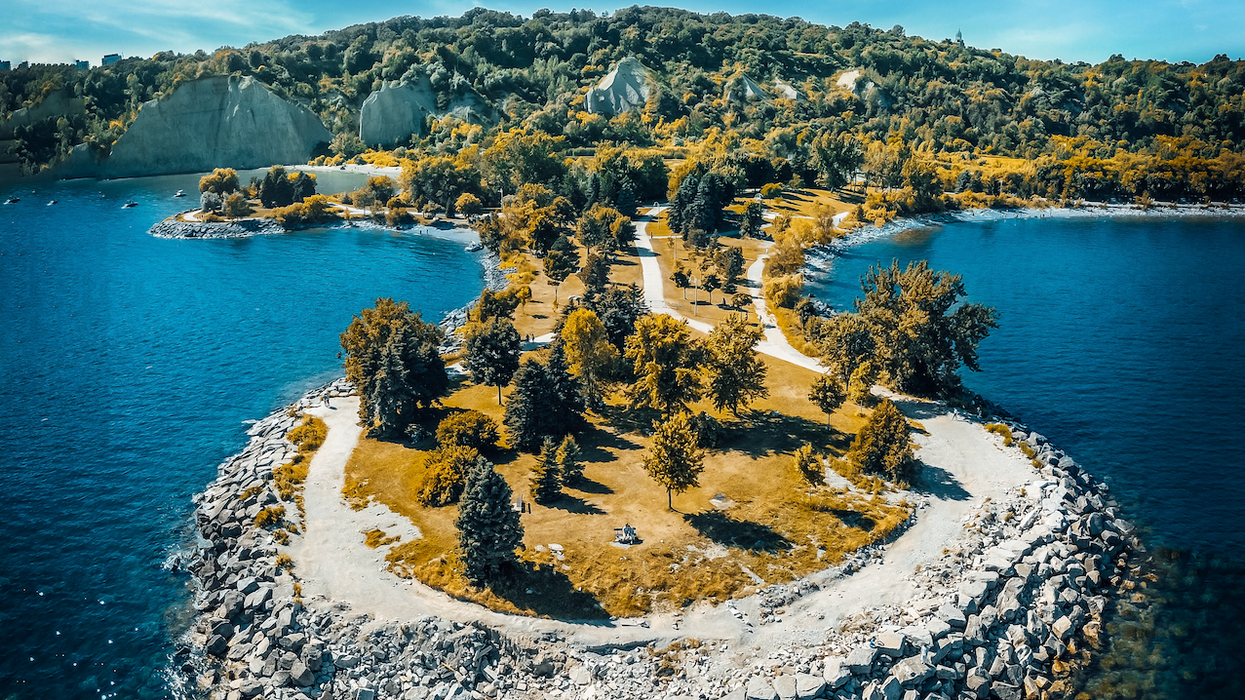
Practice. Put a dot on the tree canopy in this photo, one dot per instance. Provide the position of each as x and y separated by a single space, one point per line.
736 375
666 361
488 527
675 460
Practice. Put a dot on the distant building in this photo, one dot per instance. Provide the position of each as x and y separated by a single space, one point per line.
5 65
24 64
959 37
110 59
82 65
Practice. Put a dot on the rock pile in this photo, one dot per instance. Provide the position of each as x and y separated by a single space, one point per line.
170 228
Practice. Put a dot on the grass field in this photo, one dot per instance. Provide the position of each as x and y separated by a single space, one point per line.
778 529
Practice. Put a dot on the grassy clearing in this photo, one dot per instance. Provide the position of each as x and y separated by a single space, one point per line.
778 529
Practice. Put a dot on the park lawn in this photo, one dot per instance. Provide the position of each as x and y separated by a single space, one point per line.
779 528
805 202
540 314
702 310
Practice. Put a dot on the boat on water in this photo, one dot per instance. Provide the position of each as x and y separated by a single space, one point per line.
12 200
52 202
129 204
474 247
180 193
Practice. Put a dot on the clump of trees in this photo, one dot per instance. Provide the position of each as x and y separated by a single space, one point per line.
884 446
547 402
392 358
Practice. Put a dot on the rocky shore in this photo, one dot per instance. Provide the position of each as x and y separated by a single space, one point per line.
171 228
1005 613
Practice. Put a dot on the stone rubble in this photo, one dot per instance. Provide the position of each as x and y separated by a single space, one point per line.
1025 586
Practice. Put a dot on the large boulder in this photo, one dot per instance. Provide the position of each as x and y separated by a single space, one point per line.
622 89
395 112
221 121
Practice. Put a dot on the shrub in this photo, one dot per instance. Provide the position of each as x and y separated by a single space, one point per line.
310 435
285 561
771 190
270 516
784 292
444 472
1000 429
1027 450
467 429
288 477
708 430
883 446
808 464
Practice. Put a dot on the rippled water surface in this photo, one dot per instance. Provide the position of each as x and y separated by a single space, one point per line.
128 365
1124 342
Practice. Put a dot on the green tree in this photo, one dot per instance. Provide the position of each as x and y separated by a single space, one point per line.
752 221
468 204
546 402
922 328
560 262
680 278
808 464
569 466
884 446
236 206
845 341
827 393
493 352
467 429
276 190
711 283
736 374
595 273
836 158
488 527
588 349
674 461
392 358
666 361
546 482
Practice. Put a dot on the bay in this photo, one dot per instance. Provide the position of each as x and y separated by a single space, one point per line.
129 364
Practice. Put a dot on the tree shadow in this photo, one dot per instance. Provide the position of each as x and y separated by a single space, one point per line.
742 534
544 590
940 484
589 486
627 419
770 433
595 445
574 504
849 518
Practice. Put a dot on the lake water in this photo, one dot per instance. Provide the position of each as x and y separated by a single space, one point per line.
1123 341
129 364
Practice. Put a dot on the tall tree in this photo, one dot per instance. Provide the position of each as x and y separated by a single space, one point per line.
845 341
922 328
588 350
666 361
569 466
566 391
736 373
488 527
546 481
752 221
546 402
827 393
884 446
674 461
493 352
392 358
560 262
619 308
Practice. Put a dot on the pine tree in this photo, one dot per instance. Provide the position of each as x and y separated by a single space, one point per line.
827 393
493 351
679 214
884 446
488 527
674 461
561 261
546 483
569 466
525 409
567 392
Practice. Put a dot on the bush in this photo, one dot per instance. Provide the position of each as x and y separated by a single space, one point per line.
771 190
467 429
708 430
1000 429
883 446
444 473
310 435
270 516
783 292
808 464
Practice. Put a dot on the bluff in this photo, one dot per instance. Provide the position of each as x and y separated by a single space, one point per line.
395 112
622 89
222 121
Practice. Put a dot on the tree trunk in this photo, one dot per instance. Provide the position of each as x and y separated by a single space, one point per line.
499 394
669 500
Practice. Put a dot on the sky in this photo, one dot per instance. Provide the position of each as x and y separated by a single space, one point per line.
56 31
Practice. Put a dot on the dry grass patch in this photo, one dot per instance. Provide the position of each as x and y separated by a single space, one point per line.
777 529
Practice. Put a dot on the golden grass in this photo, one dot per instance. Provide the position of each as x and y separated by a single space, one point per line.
779 528
1001 429
376 538
806 202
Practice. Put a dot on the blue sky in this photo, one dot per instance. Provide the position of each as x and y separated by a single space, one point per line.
1089 30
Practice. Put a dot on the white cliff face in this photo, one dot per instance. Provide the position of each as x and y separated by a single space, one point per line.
624 88
214 122
56 104
786 91
744 89
395 112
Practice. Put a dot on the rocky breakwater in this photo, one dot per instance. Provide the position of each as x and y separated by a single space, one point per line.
1007 613
171 228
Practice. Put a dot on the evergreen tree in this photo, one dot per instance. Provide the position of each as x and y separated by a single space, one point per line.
488 527
569 466
736 374
675 460
493 351
566 391
827 393
546 402
546 482
619 308
884 446
680 207
560 262
752 221
808 465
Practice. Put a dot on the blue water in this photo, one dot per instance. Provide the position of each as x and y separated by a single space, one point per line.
129 364
1122 341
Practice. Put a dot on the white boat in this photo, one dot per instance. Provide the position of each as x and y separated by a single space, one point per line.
12 200
180 193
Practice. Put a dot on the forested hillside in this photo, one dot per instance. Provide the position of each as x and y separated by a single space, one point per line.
857 96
